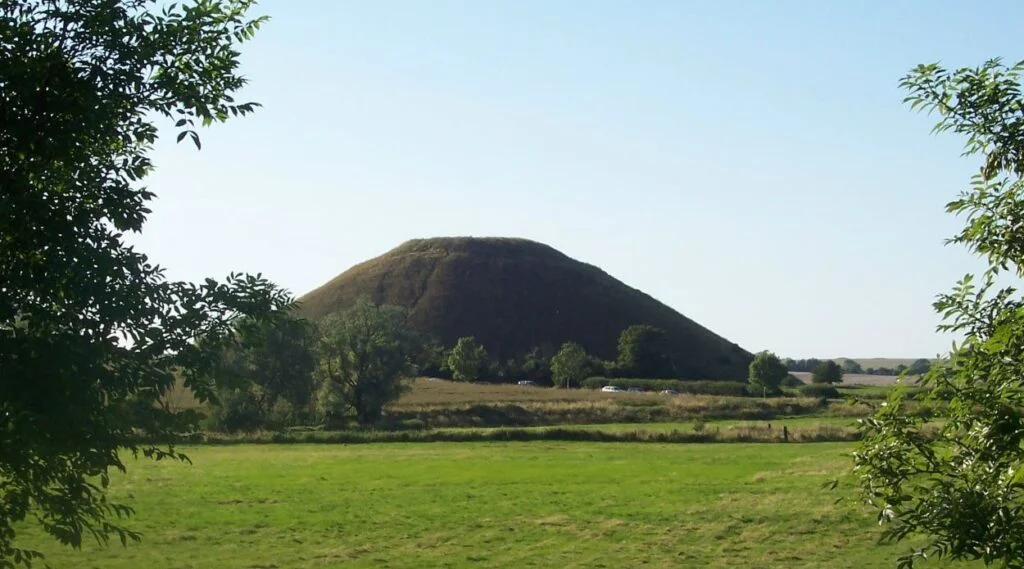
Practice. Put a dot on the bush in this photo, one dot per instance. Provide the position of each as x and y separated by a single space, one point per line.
286 414
238 411
725 388
820 390
792 381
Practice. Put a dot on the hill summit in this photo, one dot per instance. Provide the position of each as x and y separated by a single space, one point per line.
514 295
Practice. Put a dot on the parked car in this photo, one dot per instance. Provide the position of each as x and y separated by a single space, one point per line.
611 389
635 390
528 383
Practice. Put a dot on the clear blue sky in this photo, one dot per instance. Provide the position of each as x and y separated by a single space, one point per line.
749 163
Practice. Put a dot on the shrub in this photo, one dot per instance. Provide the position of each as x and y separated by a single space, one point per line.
791 381
238 410
286 414
827 372
820 390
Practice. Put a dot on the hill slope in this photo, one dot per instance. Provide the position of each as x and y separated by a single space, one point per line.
515 294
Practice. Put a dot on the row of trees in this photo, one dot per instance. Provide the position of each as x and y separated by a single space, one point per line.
350 365
346 367
808 365
918 367
642 352
769 373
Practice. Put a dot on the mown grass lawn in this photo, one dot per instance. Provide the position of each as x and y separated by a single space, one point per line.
540 504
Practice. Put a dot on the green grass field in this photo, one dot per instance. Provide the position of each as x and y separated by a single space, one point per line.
564 505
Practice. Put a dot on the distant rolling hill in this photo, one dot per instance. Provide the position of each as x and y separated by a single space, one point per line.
514 295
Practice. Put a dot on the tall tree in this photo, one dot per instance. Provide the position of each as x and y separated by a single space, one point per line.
959 491
570 365
767 372
643 352
90 330
367 355
827 371
466 359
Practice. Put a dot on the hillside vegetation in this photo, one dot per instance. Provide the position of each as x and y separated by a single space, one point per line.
514 295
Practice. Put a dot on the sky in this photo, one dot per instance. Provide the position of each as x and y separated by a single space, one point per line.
750 164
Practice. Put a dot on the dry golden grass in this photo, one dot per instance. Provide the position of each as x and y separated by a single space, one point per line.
426 392
856 379
437 403
434 403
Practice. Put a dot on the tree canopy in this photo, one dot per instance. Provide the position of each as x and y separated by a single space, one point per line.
367 354
570 365
643 352
266 379
807 365
767 372
827 372
276 357
466 359
959 490
919 367
92 333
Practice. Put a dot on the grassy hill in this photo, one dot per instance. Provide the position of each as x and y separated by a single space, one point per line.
514 295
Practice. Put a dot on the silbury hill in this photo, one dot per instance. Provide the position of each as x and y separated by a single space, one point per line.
513 295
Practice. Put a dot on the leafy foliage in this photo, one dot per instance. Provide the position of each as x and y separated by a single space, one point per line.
807 365
272 362
570 365
92 333
919 367
467 359
962 489
643 352
238 409
767 372
820 390
791 381
827 372
535 365
366 356
431 359
885 370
